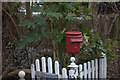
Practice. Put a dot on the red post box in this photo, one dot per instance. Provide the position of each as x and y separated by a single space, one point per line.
73 40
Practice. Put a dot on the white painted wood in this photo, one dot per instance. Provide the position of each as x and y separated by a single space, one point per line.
64 73
80 71
96 68
43 64
57 68
76 75
71 73
105 67
85 70
92 61
37 65
37 62
21 74
76 72
89 70
73 68
102 75
32 71
100 68
50 70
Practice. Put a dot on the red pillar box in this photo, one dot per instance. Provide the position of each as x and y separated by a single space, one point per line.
73 40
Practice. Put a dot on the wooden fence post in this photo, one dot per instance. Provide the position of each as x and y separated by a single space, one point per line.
73 72
105 66
21 74
102 66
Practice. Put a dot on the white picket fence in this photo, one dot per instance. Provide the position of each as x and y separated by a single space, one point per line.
92 69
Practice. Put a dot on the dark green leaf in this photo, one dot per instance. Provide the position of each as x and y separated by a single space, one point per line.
30 37
70 18
91 50
27 23
54 15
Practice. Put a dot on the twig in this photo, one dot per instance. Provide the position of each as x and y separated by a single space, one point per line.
114 10
9 16
63 30
116 7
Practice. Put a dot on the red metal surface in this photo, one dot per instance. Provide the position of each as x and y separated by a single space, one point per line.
73 40
73 32
73 36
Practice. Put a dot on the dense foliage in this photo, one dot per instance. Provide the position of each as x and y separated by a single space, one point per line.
54 20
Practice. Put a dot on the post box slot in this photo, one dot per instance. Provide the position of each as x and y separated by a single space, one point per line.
76 40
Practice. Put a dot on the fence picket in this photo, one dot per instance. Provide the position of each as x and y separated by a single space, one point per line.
50 70
37 65
105 66
100 65
64 73
80 71
32 71
57 68
105 70
89 70
85 70
92 61
43 64
96 68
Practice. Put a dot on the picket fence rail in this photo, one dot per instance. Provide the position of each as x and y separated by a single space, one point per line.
92 69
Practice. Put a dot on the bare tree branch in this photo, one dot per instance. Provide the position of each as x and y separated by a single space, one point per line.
112 24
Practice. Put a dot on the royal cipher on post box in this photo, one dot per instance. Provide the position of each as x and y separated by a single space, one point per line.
73 40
